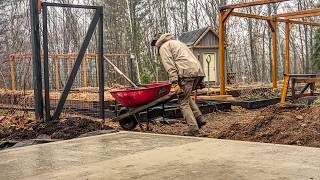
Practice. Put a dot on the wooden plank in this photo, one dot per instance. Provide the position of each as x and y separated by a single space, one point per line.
248 4
302 22
85 81
12 74
298 14
251 16
267 18
307 80
222 55
287 48
274 55
226 15
303 16
285 89
57 75
212 98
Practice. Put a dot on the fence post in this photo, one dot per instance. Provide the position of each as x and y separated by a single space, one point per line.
85 82
12 74
36 59
57 73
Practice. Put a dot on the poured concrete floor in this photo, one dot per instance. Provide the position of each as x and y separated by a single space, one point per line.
133 156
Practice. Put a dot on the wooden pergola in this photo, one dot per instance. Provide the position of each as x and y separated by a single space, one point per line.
288 18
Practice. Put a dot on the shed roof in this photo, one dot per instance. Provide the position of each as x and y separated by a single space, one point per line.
191 37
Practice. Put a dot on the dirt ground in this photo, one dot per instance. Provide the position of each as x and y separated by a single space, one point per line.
280 125
294 125
21 126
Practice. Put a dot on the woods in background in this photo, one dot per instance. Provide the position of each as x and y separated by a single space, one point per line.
130 25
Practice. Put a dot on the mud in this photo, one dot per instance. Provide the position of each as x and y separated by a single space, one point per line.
64 129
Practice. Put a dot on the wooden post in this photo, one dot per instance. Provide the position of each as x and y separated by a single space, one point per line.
12 74
273 27
85 82
68 64
57 74
223 17
285 89
287 47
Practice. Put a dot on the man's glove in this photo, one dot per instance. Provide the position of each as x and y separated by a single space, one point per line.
175 86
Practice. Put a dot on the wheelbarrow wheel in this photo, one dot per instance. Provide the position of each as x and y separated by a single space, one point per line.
128 123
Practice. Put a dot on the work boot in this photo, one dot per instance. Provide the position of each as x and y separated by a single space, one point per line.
192 132
201 120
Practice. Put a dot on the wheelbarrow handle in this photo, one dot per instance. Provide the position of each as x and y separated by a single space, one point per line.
120 72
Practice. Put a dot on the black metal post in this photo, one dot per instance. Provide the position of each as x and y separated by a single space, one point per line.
36 59
101 65
46 62
76 66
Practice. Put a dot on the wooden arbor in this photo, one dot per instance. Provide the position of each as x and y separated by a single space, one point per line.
227 11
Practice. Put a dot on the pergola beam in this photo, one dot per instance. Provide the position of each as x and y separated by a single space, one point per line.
269 18
299 14
251 16
248 4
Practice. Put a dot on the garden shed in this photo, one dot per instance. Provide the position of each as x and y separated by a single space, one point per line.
204 44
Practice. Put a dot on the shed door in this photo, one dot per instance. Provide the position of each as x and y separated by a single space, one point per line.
209 67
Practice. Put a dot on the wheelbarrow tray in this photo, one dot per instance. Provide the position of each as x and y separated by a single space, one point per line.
134 97
139 109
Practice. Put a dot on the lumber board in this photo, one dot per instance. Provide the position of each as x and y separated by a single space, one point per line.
212 98
307 80
248 4
299 14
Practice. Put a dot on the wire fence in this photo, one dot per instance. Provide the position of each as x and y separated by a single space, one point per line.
83 99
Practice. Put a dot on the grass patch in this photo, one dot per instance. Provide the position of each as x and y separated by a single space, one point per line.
317 101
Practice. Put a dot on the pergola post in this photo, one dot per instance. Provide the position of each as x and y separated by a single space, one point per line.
223 17
287 48
273 26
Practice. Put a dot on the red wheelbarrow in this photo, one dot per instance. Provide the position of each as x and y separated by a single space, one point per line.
137 100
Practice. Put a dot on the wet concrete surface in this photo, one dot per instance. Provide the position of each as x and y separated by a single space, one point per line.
129 156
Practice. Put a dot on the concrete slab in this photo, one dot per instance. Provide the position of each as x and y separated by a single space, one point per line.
129 156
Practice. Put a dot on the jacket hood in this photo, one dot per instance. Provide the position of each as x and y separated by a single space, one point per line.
164 38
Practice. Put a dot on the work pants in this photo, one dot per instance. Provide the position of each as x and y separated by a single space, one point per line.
188 107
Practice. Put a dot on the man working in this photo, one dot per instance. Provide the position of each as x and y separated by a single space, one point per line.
186 74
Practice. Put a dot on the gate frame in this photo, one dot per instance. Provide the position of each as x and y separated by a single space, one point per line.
37 7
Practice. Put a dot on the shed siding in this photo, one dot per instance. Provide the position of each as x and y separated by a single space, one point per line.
210 39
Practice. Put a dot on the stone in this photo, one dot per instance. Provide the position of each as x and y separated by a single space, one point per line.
299 117
43 136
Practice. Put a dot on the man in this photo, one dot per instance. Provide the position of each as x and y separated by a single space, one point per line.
186 75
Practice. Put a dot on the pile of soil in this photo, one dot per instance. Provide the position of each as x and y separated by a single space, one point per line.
295 125
282 125
19 128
